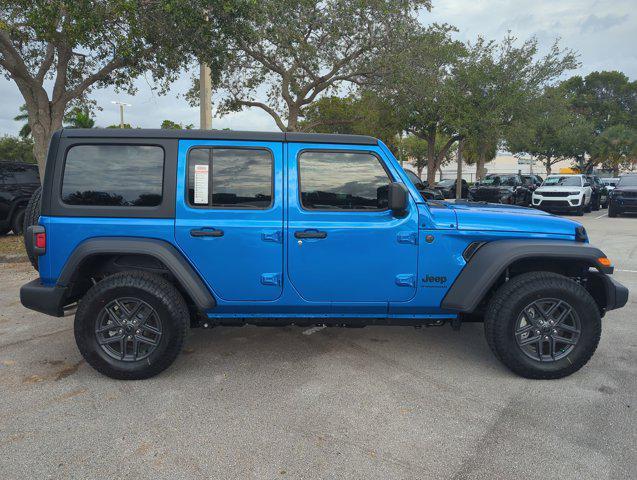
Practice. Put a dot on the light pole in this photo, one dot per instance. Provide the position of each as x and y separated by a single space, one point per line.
205 97
121 111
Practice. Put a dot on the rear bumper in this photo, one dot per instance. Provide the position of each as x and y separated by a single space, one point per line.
42 298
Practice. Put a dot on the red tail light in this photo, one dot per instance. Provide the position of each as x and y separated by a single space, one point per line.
40 240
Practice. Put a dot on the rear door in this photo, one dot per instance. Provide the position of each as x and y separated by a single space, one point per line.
229 216
345 245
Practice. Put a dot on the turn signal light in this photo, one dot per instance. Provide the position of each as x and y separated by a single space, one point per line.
604 261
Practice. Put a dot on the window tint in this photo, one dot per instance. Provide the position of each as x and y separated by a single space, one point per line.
230 178
343 181
113 175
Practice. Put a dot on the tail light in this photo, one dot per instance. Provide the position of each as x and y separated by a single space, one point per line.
36 237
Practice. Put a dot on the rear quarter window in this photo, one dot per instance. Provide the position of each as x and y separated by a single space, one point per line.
113 175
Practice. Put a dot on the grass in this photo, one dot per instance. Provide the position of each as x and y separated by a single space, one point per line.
11 245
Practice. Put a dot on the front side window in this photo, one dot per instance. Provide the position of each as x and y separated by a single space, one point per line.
113 175
230 178
343 181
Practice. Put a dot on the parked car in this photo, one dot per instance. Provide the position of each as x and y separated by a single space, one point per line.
532 181
599 198
423 188
18 181
610 182
497 188
623 198
151 232
564 193
447 188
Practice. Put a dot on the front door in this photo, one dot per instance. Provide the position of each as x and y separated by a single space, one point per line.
229 219
345 245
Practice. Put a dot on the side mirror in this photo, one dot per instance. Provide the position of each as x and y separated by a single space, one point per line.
397 197
587 184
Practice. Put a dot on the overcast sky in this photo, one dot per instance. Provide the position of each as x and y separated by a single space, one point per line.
602 31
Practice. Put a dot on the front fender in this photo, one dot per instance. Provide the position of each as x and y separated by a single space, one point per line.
491 260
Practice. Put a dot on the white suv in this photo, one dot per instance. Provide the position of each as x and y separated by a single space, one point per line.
564 193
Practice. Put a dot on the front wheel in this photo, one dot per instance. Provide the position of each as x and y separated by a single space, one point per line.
542 325
131 325
612 210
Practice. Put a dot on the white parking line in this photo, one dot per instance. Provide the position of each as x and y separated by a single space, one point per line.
604 215
627 271
312 330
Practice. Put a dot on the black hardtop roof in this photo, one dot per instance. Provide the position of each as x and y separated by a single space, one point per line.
218 135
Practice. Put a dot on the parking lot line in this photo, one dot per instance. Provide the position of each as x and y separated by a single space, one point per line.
312 330
604 215
626 271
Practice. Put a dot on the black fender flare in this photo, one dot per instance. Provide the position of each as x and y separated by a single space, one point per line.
490 261
161 250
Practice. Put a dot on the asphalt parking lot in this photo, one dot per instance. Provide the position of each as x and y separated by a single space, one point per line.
269 403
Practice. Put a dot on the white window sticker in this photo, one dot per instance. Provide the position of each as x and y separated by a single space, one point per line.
201 184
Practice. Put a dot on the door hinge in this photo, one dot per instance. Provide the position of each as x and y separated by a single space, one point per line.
271 279
406 280
276 236
408 237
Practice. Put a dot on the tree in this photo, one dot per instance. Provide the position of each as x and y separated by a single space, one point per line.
616 147
362 114
301 50
16 149
170 125
23 116
550 130
77 45
79 117
416 150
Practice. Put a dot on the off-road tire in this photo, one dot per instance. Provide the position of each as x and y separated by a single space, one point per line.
31 216
17 223
612 210
509 301
579 211
156 292
595 206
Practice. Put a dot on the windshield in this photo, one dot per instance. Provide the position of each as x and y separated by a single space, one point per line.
628 181
490 181
563 181
414 178
446 183
610 181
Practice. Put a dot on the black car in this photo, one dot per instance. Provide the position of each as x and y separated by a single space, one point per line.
501 188
426 192
18 181
532 181
623 198
447 188
600 192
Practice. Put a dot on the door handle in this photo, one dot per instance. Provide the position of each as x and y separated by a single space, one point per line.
310 234
212 232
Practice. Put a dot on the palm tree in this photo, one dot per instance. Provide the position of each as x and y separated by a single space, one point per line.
25 131
79 117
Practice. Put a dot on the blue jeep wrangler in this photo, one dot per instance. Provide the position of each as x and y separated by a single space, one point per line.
150 232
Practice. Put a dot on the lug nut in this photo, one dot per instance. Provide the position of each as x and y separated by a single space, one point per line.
554 332
130 337
138 331
546 337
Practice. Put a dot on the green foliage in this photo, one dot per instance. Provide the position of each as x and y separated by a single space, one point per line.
170 125
616 147
23 116
79 117
364 114
298 51
126 125
16 149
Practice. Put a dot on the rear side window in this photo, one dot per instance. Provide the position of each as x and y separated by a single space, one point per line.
343 181
230 178
113 175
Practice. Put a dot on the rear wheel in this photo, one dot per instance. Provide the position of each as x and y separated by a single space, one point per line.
543 325
31 217
131 325
612 210
595 205
17 224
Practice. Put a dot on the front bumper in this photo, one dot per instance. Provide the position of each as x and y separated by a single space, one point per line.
616 293
625 203
567 202
44 299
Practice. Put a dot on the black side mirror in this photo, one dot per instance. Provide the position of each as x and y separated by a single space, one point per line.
397 197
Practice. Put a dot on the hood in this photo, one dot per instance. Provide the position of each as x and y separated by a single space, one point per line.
507 218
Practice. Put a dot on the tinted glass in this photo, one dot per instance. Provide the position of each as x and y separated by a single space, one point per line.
414 178
627 181
343 181
236 178
16 173
563 181
509 181
113 175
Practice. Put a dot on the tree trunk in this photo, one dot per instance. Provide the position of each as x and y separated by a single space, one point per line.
419 168
431 159
548 166
45 122
459 161
480 166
